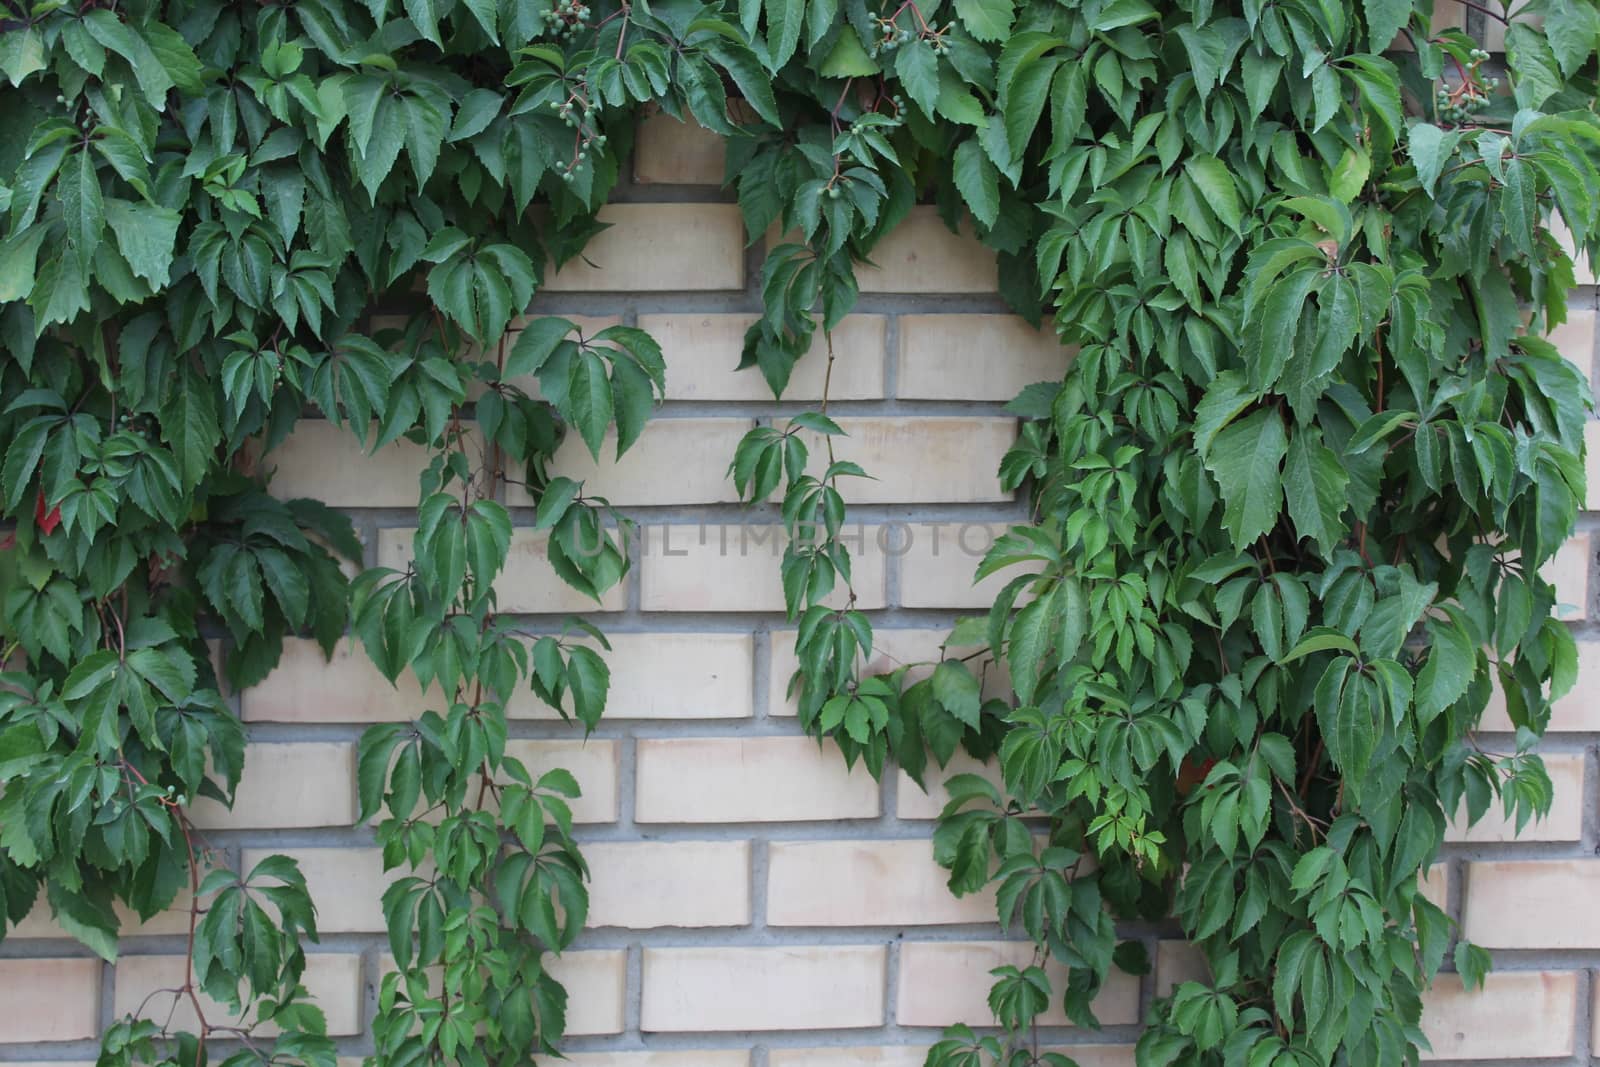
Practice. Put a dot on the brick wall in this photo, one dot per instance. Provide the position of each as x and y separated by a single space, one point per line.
755 903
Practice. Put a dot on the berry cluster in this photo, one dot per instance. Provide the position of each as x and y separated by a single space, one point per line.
1458 105
892 35
566 18
574 111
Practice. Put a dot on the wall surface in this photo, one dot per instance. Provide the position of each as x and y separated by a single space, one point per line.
755 903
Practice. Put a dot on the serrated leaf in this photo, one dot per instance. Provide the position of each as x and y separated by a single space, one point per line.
1246 459
977 181
986 20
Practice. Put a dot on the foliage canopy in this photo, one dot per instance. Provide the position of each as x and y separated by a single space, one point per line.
1290 499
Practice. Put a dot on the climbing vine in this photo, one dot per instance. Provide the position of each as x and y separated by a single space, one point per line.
1288 503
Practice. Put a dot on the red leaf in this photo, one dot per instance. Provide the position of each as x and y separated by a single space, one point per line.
48 521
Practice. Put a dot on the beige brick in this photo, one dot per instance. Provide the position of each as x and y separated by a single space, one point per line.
892 648
669 152
1594 1014
1532 903
597 989
927 460
1564 823
1494 35
915 1055
943 983
659 247
692 1058
921 255
327 463
911 802
305 687
1591 463
332 979
1436 886
1576 712
975 357
647 884
286 785
857 1056
702 351
711 677
39 923
1178 962
674 461
731 566
592 762
1568 571
1518 1015
527 584
737 989
754 779
938 563
346 884
1575 338
865 883
49 1000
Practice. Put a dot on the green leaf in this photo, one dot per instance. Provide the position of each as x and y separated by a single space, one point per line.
1211 176
81 206
588 679
1385 20
986 20
146 235
978 181
847 58
22 53
957 691
1321 639
589 400
535 343
1246 460
90 921
189 426
918 69
1314 488
1448 671
784 22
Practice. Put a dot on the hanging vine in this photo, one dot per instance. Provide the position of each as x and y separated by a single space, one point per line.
1289 500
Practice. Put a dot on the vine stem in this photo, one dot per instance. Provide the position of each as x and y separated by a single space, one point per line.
194 920
622 33
1484 10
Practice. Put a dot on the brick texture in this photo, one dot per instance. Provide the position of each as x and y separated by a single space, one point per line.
647 884
767 779
865 883
930 460
667 465
288 785
753 900
1530 904
935 989
1519 1015
974 357
793 988
921 255
733 566
702 351
657 248
49 1000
